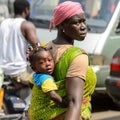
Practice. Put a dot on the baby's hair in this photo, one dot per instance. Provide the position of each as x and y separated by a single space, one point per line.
34 54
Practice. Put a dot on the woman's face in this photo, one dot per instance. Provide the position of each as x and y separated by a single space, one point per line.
44 63
75 27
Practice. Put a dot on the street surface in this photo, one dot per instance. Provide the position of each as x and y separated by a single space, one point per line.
104 109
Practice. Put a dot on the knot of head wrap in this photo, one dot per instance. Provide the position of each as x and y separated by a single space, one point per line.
63 11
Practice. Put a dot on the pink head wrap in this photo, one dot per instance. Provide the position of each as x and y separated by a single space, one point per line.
65 10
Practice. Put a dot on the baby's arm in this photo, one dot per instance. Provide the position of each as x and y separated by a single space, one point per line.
48 86
57 98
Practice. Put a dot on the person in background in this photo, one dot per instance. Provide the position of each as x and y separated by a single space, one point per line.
15 35
73 74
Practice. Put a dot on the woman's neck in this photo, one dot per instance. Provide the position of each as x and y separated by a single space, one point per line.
63 39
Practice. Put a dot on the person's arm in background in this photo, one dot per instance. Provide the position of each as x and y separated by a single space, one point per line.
29 32
74 88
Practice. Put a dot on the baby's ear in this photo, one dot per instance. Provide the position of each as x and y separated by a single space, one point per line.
32 67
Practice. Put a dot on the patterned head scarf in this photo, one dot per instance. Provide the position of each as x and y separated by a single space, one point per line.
65 10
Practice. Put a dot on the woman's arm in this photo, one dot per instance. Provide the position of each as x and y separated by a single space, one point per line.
74 87
75 81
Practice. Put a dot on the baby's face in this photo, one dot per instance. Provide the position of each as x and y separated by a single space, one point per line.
45 63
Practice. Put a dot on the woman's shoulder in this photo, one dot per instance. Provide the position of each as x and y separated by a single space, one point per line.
80 50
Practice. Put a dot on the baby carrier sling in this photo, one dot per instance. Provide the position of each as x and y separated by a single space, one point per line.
42 107
90 82
62 66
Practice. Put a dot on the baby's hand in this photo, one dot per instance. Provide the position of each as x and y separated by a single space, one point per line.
64 103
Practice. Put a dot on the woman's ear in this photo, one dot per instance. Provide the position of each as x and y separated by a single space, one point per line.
62 28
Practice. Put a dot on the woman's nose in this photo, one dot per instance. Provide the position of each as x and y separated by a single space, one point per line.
83 26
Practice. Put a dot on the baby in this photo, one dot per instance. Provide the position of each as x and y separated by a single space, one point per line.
41 61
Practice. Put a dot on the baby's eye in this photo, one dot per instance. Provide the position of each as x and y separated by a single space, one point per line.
50 60
41 62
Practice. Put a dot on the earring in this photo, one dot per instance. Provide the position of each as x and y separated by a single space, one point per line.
63 30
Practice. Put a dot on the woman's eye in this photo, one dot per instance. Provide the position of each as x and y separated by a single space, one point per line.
84 22
77 23
74 22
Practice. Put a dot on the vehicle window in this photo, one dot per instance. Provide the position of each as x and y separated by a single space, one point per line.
98 12
43 9
118 28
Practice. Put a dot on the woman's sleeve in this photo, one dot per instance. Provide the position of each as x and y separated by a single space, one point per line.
78 67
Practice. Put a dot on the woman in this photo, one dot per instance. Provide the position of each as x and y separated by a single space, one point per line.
74 77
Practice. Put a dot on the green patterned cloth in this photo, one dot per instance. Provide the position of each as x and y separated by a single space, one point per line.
42 108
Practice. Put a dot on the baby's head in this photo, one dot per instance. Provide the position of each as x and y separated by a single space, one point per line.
41 61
